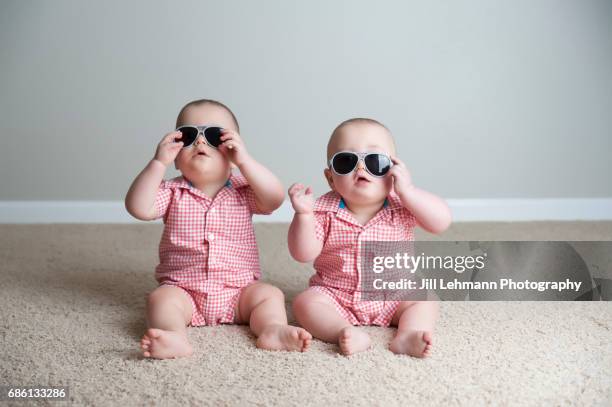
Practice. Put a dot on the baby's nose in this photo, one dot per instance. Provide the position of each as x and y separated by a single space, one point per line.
360 165
200 139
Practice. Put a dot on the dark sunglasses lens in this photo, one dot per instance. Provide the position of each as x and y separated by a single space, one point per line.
213 136
189 135
344 163
377 164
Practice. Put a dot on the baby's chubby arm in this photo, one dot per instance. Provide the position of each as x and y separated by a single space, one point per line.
432 212
140 199
303 243
268 190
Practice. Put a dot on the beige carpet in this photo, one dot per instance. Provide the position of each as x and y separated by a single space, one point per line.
72 303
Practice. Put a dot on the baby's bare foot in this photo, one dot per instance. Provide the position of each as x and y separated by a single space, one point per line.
413 343
353 340
160 344
284 337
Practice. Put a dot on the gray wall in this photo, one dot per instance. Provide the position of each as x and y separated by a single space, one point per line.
487 99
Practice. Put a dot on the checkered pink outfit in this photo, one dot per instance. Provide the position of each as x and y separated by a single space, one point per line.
337 266
208 246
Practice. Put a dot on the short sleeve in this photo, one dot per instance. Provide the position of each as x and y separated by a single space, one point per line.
249 197
407 219
162 200
403 217
321 225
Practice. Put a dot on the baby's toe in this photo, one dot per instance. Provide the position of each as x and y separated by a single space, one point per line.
304 335
154 333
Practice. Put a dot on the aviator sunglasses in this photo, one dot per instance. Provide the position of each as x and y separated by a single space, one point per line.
212 135
345 162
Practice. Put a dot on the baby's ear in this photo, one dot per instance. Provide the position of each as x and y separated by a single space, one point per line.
328 177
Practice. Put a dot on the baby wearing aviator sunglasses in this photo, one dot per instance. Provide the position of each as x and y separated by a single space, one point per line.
208 268
372 198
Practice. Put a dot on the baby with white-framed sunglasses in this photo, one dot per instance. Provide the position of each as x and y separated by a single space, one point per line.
372 198
208 271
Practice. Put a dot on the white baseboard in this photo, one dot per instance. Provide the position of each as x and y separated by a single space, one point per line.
464 210
516 209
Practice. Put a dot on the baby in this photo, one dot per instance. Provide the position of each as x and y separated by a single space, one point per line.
372 198
209 262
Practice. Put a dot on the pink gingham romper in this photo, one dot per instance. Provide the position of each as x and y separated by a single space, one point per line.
208 246
337 266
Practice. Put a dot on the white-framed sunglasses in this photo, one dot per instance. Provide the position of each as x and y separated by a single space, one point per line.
212 135
345 162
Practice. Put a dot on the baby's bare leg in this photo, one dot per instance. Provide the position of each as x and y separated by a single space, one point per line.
415 322
318 314
169 312
263 307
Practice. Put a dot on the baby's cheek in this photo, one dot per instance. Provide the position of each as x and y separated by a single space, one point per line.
388 183
385 187
221 162
343 185
179 161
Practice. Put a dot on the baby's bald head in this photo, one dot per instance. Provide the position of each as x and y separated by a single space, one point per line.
207 111
360 134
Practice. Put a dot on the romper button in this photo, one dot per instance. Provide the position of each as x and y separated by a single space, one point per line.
211 237
212 210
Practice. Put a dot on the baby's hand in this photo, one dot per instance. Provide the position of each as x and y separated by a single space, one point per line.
233 147
302 199
168 148
402 181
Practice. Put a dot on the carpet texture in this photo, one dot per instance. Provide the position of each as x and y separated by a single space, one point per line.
72 307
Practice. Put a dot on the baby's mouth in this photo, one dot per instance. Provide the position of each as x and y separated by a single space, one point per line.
361 178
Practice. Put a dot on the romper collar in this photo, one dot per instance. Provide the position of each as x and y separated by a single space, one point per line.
342 204
333 202
234 182
228 183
